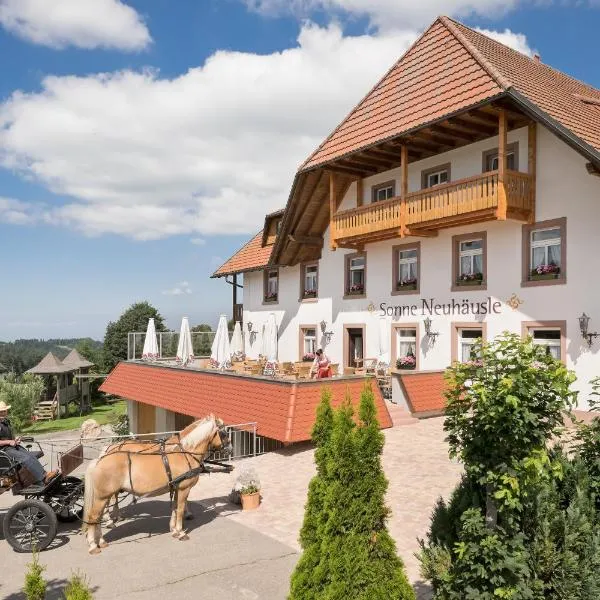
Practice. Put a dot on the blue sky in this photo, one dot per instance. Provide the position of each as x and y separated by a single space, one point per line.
142 141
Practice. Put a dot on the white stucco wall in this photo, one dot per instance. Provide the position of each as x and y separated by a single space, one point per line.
564 189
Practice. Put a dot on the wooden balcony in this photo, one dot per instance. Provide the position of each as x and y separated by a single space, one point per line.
470 200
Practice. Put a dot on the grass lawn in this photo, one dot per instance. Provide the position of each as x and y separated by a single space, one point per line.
102 414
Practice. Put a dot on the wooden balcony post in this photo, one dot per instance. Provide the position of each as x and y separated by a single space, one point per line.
403 188
332 209
359 192
531 164
502 201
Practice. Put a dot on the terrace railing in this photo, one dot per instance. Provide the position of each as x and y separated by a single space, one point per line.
167 343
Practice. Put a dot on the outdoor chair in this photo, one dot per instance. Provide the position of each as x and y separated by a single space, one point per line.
349 370
334 369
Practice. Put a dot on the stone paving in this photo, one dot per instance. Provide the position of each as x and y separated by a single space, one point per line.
416 463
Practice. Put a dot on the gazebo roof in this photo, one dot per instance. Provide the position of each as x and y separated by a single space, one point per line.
75 360
50 365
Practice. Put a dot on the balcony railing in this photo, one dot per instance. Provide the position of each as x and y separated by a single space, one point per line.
441 206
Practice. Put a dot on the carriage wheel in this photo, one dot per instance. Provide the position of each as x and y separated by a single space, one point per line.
29 525
67 500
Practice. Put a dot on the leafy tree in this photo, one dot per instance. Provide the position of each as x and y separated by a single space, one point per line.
202 343
22 394
35 585
135 318
305 584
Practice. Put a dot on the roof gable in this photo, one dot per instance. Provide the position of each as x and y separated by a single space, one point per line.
51 364
74 359
252 256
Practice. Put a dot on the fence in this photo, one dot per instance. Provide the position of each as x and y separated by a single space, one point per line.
168 342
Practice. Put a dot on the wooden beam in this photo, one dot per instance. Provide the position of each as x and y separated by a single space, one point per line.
420 144
531 163
373 161
403 188
380 152
443 143
332 209
498 107
478 129
306 240
453 133
352 163
360 191
421 232
502 203
347 171
592 169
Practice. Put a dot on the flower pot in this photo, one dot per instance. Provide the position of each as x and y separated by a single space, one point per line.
406 367
472 282
250 501
406 287
543 276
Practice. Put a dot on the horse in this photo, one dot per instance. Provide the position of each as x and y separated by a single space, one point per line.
150 474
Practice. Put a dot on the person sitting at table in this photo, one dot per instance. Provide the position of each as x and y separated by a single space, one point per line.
12 447
320 368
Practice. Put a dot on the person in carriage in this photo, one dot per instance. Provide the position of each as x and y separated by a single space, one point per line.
11 446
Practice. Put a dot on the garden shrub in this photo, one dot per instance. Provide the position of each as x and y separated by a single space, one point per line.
78 588
35 584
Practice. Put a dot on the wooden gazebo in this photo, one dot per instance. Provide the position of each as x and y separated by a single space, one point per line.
62 387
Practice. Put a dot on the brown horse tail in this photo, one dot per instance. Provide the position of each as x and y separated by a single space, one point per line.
88 493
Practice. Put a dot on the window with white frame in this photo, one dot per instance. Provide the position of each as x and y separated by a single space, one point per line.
550 339
355 279
470 261
408 269
466 341
271 285
406 342
492 159
310 281
309 342
383 191
436 178
545 253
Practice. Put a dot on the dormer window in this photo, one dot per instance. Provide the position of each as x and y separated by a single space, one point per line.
277 226
383 191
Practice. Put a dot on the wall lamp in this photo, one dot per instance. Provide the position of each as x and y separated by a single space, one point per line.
432 335
249 325
326 334
584 321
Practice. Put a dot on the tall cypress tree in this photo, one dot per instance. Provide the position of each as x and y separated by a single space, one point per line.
358 553
307 581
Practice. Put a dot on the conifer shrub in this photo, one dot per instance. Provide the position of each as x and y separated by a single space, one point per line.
78 588
35 584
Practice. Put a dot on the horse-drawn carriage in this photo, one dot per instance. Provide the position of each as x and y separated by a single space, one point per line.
30 524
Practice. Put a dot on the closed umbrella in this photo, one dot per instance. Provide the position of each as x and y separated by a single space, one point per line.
270 345
220 353
384 343
185 351
237 342
150 351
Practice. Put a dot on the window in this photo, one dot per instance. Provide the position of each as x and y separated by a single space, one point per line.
490 158
383 191
310 281
309 342
469 258
466 342
356 275
550 339
277 226
406 342
544 253
271 287
435 176
405 275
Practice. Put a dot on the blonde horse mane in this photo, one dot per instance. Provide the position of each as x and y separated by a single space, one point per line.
198 432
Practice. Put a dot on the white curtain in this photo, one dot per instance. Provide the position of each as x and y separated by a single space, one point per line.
150 351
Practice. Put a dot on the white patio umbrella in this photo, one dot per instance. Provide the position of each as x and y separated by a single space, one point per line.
384 343
237 342
220 353
270 345
150 351
185 351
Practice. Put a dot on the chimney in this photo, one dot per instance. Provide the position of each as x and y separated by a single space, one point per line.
537 58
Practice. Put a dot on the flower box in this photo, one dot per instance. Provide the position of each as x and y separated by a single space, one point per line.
356 291
406 367
401 287
407 363
472 282
308 358
310 294
538 277
271 298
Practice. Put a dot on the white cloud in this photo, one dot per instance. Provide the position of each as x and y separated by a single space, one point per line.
208 152
82 23
517 41
387 15
198 241
16 212
179 290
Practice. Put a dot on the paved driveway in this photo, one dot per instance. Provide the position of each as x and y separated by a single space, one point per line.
243 555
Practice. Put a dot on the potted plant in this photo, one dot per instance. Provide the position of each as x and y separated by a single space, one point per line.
310 293
271 297
545 272
470 279
406 362
356 289
246 490
406 284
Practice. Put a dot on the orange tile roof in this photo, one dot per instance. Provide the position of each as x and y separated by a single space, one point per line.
250 257
283 410
449 69
424 392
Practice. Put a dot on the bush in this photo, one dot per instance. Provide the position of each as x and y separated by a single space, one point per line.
35 585
22 394
78 588
118 422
